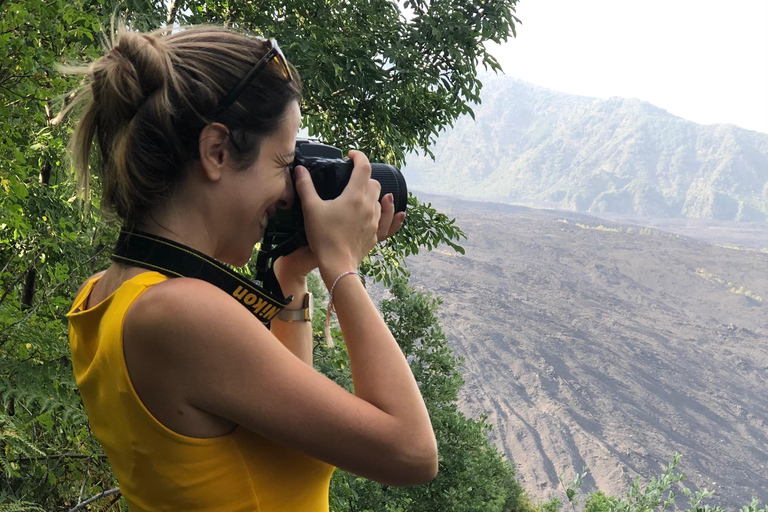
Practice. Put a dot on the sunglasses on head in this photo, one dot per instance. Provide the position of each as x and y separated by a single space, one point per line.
273 52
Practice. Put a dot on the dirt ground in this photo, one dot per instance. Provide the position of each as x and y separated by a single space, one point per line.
610 346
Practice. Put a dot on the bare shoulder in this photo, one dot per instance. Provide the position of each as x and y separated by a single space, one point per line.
168 332
183 304
180 318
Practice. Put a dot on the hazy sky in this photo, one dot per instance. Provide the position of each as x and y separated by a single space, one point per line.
702 60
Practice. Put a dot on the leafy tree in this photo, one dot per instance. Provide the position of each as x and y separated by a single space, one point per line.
377 77
46 451
367 86
380 79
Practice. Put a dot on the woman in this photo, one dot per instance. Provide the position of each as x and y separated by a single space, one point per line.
197 404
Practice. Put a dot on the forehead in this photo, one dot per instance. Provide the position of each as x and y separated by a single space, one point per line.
292 119
289 127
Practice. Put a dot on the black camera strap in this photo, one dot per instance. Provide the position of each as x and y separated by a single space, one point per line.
176 260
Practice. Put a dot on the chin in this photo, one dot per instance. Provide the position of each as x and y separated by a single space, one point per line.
239 250
239 262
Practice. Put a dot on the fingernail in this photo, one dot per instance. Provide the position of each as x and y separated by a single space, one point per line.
389 198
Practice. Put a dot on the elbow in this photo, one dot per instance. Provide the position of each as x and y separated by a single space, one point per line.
418 468
428 468
427 471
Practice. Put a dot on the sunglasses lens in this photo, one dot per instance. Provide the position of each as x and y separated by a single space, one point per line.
281 60
273 53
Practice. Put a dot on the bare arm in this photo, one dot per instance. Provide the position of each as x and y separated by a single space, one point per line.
295 336
230 365
291 271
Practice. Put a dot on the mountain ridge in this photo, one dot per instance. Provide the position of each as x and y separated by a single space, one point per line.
529 144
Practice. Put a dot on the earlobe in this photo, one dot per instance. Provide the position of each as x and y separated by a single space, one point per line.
213 150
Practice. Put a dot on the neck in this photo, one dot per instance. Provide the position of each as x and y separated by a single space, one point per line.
187 221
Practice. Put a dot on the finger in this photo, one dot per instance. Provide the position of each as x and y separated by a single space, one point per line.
304 186
387 213
361 173
374 190
375 222
397 223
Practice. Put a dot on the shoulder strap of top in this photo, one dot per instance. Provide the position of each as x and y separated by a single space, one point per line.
145 278
148 278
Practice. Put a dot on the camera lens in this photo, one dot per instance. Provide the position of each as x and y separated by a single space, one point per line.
392 181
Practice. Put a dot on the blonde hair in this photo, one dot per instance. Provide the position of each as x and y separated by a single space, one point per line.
150 95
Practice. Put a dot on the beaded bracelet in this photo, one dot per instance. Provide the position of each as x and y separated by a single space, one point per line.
331 309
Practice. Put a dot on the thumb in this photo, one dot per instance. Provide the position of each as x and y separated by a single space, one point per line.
304 186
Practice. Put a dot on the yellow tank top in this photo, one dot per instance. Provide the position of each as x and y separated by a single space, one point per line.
159 469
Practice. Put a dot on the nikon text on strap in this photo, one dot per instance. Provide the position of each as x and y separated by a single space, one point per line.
176 260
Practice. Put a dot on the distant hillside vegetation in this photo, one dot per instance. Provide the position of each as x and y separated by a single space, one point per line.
623 156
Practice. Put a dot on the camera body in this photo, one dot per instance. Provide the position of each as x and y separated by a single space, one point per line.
330 174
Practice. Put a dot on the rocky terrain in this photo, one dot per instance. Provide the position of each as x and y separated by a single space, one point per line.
528 144
610 346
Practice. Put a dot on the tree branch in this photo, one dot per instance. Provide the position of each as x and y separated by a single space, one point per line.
31 311
172 12
85 479
94 498
11 77
59 455
28 97
112 503
63 112
28 290
33 260
5 267
19 277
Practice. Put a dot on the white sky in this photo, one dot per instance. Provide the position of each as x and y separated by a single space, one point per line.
703 60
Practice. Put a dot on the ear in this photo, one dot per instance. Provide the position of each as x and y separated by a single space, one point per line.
214 150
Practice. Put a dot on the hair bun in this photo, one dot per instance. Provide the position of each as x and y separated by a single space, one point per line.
150 97
134 68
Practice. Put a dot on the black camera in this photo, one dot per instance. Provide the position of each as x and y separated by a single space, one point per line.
330 174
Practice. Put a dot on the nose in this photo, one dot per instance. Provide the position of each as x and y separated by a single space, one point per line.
286 200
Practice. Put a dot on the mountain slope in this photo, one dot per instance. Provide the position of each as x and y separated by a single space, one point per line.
623 156
594 344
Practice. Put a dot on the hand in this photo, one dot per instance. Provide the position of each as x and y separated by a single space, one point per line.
342 231
390 222
298 264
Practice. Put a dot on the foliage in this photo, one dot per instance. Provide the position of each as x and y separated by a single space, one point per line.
377 76
46 450
426 228
472 474
656 494
598 502
362 65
